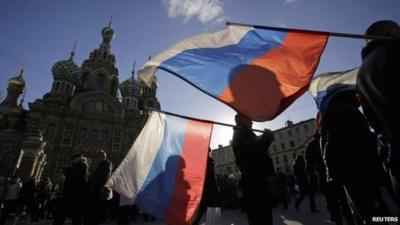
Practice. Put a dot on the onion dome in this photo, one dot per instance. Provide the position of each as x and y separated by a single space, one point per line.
66 70
129 86
108 34
17 81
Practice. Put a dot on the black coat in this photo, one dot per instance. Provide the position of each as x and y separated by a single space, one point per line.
211 196
350 150
377 81
299 170
315 163
251 154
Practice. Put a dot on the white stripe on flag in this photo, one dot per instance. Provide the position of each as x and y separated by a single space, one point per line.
323 81
130 175
229 36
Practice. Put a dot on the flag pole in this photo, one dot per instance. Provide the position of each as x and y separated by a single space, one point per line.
335 34
201 120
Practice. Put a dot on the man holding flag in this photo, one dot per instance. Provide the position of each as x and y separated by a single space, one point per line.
255 165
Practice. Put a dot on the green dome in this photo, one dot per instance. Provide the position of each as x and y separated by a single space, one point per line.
65 70
128 87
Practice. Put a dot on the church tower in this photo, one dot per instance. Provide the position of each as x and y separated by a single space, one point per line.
16 86
130 91
99 71
65 75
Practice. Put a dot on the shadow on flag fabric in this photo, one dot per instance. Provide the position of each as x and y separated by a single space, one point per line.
258 72
163 172
324 86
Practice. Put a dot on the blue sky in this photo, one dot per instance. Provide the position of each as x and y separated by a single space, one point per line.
43 32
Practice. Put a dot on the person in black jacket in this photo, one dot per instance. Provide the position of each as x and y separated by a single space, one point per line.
351 155
96 199
299 169
377 82
255 165
73 202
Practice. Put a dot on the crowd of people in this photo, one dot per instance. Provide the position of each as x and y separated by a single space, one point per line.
77 195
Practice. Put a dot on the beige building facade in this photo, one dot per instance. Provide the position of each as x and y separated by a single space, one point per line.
289 142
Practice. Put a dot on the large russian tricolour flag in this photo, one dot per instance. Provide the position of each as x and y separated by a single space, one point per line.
163 172
324 86
257 71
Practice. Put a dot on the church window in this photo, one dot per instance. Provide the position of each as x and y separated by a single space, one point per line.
130 139
292 144
85 80
100 82
113 83
50 129
104 136
62 87
57 86
93 134
82 133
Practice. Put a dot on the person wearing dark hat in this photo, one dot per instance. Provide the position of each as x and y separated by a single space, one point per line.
377 82
255 165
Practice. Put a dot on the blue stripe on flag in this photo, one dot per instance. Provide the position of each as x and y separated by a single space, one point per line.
158 186
211 69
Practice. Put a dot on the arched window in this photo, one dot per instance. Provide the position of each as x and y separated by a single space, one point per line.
62 88
85 80
100 81
113 83
57 86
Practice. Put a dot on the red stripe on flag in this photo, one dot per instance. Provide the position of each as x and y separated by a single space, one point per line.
185 198
271 82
